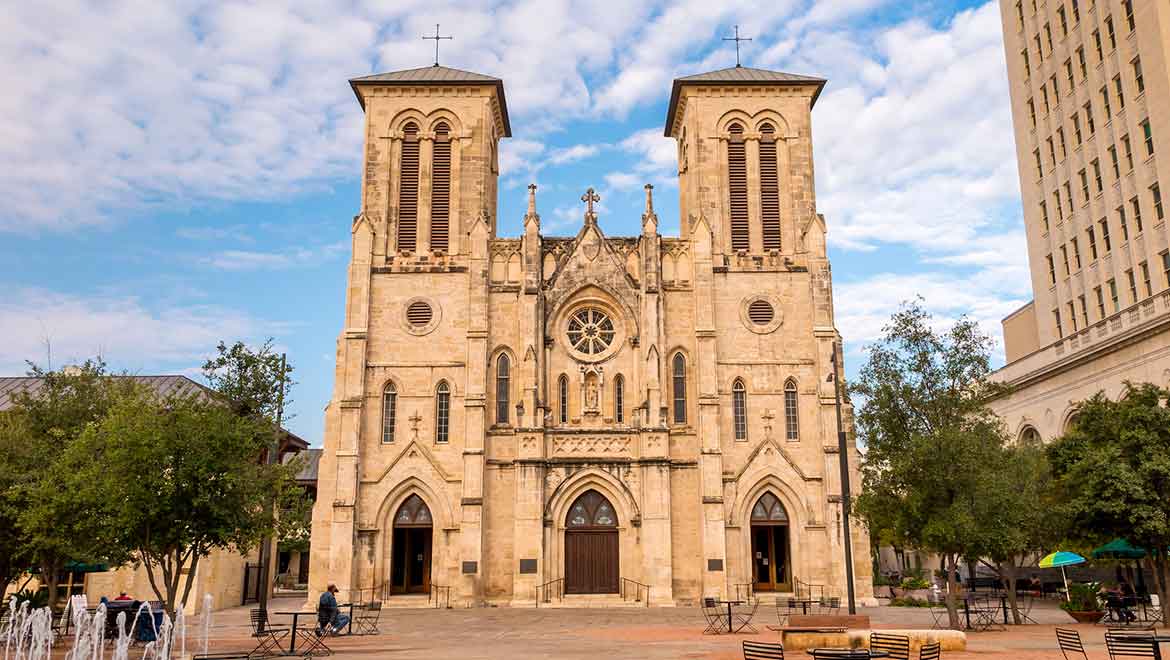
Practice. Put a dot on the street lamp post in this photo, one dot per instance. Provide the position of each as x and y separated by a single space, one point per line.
843 459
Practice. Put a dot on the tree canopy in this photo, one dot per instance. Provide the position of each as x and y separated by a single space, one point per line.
1112 472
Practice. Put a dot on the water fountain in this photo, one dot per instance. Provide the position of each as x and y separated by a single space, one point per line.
29 633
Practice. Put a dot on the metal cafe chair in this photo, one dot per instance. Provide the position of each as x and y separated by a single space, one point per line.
931 651
1070 642
1130 645
897 646
716 617
268 639
743 619
762 651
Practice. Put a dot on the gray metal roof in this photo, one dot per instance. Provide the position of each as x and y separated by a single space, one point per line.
162 385
312 466
432 75
738 75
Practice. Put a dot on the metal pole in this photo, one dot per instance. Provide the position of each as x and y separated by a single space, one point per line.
268 545
843 456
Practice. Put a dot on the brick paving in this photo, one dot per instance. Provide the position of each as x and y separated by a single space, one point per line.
613 634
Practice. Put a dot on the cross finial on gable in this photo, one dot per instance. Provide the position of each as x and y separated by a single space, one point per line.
414 420
436 39
589 198
736 39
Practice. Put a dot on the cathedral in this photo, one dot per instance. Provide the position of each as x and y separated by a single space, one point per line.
590 418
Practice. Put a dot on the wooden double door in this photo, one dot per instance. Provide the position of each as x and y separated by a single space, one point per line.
410 572
770 565
591 561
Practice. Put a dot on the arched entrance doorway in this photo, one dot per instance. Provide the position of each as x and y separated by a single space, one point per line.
770 556
591 546
410 551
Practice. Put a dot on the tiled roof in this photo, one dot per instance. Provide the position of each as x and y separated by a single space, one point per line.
162 385
312 466
738 75
431 75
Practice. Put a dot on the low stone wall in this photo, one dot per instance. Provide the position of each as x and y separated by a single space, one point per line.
950 640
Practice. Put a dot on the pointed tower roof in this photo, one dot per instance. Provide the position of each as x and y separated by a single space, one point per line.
738 75
434 75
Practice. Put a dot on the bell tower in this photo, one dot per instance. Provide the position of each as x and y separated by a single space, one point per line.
432 158
745 157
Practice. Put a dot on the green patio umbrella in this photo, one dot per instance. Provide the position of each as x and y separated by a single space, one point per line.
1118 549
1060 559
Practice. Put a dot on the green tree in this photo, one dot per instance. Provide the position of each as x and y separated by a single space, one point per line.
1022 522
169 480
1112 471
251 378
41 424
932 446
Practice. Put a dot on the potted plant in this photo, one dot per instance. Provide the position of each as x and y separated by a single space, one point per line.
914 587
1083 604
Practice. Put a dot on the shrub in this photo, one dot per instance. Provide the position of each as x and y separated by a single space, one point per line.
1082 597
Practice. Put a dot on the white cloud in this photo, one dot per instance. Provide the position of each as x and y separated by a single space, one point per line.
655 160
573 153
240 260
127 332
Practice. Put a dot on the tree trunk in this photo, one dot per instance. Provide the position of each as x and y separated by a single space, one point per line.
50 571
1009 578
952 592
1160 575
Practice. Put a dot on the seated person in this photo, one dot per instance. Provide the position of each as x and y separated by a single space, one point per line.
328 613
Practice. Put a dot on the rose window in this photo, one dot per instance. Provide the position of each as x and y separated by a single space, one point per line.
590 331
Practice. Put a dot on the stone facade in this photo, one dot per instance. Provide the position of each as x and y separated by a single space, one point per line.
1089 87
680 380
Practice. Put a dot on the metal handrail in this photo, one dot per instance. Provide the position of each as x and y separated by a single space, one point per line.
438 591
797 583
627 584
741 587
544 592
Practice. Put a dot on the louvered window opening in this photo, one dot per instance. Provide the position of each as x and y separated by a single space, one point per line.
791 422
503 387
442 412
679 369
738 189
563 399
408 191
441 190
389 411
419 314
739 409
760 312
619 403
769 189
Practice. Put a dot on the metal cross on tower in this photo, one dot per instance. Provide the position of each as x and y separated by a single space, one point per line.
736 39
436 39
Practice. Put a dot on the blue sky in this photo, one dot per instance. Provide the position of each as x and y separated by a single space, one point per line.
175 174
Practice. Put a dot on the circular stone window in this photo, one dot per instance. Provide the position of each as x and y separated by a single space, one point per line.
420 316
590 331
761 314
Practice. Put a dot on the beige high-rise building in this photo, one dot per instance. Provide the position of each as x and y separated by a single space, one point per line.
1090 98
585 416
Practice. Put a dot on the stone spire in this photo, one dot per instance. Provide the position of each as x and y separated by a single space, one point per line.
531 216
649 217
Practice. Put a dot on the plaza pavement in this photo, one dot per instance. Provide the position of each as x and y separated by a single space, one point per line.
616 634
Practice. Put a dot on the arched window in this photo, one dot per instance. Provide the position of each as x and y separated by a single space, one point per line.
769 509
408 189
619 399
503 380
591 509
563 399
441 188
679 382
769 188
389 412
737 187
413 513
739 409
1030 436
442 411
791 420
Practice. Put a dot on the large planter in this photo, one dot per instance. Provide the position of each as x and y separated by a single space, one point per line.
1086 617
917 594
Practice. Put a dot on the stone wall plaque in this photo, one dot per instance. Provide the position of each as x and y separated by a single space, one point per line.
715 564
527 566
470 567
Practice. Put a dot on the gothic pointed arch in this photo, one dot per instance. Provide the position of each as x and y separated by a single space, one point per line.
769 188
503 387
389 411
408 186
737 187
442 412
441 185
791 410
739 409
678 387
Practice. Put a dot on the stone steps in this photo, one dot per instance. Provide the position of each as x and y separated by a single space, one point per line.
593 601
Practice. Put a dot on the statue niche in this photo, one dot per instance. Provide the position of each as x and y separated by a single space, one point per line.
592 381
